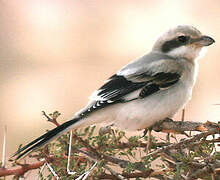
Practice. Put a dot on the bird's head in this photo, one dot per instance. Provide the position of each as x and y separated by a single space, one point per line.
182 42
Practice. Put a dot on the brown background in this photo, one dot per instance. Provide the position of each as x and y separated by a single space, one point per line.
54 53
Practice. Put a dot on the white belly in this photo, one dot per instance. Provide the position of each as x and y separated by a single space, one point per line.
145 112
142 113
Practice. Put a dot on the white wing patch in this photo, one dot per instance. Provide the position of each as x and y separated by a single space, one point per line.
96 97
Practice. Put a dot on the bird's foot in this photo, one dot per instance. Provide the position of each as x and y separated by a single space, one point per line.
148 132
157 126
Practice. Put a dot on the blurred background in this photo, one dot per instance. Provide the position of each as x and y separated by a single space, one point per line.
54 54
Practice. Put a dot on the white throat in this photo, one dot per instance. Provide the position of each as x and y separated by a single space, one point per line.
188 52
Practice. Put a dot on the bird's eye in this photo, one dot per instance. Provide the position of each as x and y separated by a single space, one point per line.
183 39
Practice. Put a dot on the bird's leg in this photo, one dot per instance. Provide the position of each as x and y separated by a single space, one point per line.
149 141
148 132
183 115
168 137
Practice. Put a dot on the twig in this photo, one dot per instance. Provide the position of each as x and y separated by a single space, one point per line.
53 119
128 175
209 168
114 160
124 145
87 145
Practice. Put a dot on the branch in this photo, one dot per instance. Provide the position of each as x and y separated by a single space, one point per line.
20 171
186 142
179 127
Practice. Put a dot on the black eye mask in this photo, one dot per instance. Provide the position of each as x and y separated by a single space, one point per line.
175 43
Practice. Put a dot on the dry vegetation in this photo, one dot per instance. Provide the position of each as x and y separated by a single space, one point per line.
115 155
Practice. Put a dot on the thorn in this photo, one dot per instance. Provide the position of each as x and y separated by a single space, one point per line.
69 155
86 174
4 148
41 170
52 171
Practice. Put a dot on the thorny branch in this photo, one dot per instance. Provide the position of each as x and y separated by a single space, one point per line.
165 150
186 142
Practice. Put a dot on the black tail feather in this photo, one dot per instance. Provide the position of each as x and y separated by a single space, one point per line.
44 139
36 141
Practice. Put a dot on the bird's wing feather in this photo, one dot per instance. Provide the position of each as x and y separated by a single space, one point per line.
163 72
148 80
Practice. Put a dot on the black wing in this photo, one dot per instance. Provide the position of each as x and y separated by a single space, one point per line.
118 87
110 93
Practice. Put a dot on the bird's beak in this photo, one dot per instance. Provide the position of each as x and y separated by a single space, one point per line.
203 41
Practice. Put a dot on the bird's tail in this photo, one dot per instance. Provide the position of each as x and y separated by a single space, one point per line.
45 138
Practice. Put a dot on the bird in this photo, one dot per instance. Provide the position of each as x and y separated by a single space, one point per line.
145 91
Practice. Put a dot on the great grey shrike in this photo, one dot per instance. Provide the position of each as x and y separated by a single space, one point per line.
151 88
